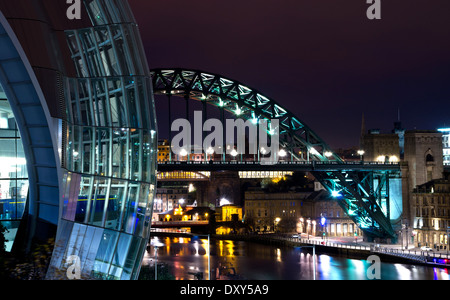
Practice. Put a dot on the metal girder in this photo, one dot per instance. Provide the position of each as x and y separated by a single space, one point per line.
364 196
358 197
246 103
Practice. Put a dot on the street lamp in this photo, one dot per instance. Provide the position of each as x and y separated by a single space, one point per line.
183 152
323 222
210 152
277 220
361 153
234 153
308 227
302 225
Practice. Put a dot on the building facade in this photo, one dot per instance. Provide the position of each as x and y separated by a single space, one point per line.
13 172
446 145
170 197
83 104
330 219
163 150
424 154
281 212
431 203
381 147
311 213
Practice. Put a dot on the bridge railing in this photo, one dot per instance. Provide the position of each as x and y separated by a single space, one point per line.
179 223
305 163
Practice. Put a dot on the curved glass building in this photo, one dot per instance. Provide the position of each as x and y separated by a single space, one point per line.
81 95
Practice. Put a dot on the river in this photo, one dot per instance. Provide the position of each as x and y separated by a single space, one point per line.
252 261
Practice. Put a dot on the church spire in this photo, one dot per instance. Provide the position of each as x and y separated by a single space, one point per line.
363 132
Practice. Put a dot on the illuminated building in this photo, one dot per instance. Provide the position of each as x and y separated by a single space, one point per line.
13 172
446 144
80 93
168 197
229 213
262 210
423 152
227 218
381 147
163 150
431 209
336 221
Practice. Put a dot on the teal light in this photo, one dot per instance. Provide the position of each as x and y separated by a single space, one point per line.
238 111
335 194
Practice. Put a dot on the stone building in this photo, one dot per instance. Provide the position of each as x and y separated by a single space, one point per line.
424 154
299 212
423 162
336 221
268 212
431 209
381 147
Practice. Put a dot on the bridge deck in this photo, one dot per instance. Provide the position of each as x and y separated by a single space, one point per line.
280 166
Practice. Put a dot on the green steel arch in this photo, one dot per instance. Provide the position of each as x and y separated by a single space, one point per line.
246 103
364 195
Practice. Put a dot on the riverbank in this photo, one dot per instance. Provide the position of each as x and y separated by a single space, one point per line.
263 259
352 251
346 250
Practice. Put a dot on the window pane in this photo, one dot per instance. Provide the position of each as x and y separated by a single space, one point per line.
97 207
116 198
104 254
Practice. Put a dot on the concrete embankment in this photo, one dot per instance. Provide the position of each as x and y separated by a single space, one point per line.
342 250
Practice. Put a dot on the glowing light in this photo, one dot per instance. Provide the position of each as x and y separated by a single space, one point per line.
381 158
282 153
238 111
313 151
335 194
328 153
183 152
224 201
393 158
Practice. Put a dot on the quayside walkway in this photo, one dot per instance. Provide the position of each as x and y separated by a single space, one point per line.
350 246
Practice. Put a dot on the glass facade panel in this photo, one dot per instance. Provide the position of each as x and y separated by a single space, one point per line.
110 170
105 254
13 169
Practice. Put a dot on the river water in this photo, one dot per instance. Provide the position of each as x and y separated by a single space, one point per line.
252 261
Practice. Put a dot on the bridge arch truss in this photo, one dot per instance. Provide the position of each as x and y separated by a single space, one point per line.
246 103
363 194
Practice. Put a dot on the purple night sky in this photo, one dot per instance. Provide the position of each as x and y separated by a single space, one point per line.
323 60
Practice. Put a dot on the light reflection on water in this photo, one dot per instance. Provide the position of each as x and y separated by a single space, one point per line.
264 262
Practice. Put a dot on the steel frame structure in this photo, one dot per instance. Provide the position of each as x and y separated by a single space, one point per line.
244 102
363 194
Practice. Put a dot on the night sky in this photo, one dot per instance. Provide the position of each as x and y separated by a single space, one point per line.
323 60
